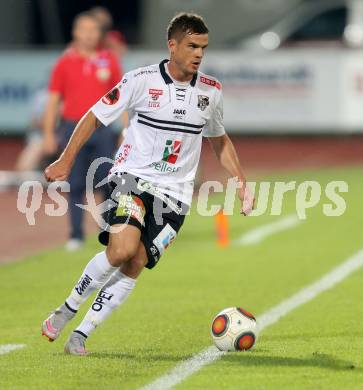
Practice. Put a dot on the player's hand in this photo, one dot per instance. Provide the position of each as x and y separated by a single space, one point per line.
50 146
57 171
247 200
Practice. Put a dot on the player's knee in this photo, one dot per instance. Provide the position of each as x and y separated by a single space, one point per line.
120 254
134 267
138 262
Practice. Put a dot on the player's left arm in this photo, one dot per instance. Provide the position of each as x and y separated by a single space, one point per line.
226 152
227 156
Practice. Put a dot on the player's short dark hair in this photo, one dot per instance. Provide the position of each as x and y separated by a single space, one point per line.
85 14
186 23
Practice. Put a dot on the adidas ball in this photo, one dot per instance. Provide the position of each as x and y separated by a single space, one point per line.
234 329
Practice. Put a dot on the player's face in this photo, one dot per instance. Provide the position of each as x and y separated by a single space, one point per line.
87 33
189 51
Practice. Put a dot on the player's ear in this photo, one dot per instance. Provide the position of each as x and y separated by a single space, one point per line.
171 45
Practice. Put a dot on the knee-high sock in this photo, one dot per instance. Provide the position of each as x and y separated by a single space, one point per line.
112 295
96 273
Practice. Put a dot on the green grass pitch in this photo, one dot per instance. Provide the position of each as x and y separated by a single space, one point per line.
167 318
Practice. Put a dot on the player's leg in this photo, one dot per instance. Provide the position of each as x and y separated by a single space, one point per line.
111 296
155 238
94 276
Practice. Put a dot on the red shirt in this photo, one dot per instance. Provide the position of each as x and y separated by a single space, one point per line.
82 81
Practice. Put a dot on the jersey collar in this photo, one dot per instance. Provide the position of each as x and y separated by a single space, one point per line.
167 78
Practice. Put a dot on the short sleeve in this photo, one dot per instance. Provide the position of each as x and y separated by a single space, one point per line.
116 101
214 127
56 81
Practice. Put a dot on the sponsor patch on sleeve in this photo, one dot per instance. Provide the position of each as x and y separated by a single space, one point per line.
111 97
210 82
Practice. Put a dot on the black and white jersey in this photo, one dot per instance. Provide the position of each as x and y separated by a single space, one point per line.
166 124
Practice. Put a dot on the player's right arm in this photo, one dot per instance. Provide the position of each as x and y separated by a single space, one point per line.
105 111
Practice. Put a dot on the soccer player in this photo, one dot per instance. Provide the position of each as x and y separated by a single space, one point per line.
171 106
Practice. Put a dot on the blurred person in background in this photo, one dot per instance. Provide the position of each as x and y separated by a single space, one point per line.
113 39
85 72
31 156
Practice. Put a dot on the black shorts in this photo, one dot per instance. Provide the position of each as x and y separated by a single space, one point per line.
136 202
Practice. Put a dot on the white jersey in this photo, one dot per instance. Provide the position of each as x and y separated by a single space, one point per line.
167 121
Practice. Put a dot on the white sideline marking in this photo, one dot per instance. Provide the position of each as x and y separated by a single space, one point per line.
184 369
260 233
6 348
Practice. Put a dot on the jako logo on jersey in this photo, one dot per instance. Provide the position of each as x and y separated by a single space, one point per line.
213 83
155 93
171 151
112 97
203 102
180 112
83 284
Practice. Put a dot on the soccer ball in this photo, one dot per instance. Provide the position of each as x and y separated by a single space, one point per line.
234 329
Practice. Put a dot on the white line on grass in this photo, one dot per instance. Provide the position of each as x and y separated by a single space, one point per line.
6 348
184 369
260 233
